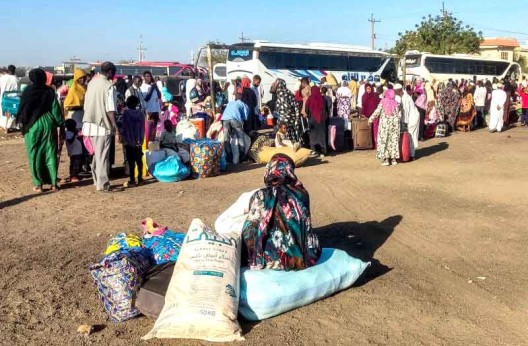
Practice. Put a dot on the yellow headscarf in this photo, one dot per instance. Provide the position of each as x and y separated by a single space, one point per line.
75 97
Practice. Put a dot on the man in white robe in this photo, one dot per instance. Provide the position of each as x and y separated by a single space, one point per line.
498 99
410 116
361 92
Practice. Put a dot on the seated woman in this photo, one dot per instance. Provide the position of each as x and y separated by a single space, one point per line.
278 232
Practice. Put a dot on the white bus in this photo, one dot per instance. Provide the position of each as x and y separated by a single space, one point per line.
315 60
457 67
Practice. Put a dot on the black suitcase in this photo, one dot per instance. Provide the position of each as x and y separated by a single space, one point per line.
339 124
151 296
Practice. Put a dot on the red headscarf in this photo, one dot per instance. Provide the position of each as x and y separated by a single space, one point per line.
369 102
245 83
315 104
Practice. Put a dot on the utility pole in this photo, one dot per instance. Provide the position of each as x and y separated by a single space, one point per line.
444 11
141 49
242 38
372 32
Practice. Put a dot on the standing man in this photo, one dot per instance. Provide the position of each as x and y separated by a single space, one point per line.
410 116
361 92
233 118
151 95
259 93
480 101
135 90
99 122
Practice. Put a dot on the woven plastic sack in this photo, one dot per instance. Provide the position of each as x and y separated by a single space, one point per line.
164 247
202 299
205 158
118 277
267 293
170 170
123 241
259 143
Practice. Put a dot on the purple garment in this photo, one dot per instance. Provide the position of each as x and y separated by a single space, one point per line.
375 127
133 127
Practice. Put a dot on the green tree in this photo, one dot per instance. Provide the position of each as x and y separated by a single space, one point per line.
521 60
218 55
439 35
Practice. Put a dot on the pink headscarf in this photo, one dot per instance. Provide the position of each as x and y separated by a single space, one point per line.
389 103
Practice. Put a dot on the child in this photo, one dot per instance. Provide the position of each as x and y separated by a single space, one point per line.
280 138
75 149
264 115
168 137
133 136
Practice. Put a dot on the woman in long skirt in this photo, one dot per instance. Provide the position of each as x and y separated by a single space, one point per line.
389 115
317 121
39 117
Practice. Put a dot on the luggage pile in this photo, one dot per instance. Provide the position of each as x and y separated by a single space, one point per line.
193 283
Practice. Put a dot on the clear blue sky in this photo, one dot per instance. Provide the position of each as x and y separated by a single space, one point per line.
36 32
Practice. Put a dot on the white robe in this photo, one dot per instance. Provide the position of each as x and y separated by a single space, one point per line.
361 92
411 117
498 99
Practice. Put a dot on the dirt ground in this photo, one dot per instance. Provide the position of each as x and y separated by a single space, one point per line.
446 235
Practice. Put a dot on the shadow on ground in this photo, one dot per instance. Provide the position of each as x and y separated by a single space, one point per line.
434 149
360 240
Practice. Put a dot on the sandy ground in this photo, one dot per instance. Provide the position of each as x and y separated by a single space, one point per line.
446 235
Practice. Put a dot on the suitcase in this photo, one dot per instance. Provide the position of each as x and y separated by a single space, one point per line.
151 297
405 147
361 134
336 132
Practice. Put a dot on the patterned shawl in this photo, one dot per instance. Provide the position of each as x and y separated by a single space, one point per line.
278 231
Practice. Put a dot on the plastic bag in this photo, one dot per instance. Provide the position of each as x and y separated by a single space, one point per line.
186 130
170 170
267 293
123 241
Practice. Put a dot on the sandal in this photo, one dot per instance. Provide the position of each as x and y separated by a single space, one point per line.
38 189
55 188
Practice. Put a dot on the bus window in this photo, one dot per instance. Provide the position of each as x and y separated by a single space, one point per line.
390 72
365 64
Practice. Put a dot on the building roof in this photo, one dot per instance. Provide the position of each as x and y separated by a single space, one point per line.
500 42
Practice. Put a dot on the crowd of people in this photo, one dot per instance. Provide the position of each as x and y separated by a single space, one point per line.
422 108
95 109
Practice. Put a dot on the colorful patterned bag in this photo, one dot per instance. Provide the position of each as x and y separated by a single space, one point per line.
123 241
205 158
163 247
118 277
